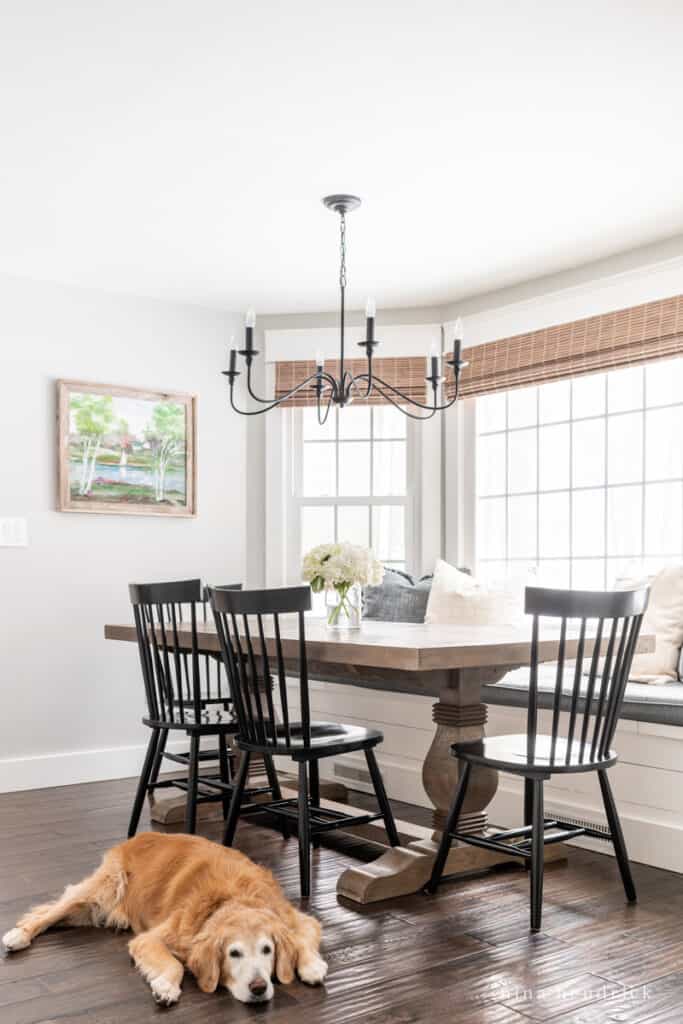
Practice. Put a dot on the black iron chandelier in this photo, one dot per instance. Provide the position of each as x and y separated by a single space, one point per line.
343 389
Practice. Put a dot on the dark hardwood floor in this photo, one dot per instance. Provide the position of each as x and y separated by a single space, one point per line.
464 956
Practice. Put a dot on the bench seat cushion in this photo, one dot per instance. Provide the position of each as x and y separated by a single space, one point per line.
644 702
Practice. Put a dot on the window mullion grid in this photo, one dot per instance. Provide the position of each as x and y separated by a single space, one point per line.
642 489
538 477
571 483
372 477
507 482
610 421
604 489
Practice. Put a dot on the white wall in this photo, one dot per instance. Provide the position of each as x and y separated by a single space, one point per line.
71 701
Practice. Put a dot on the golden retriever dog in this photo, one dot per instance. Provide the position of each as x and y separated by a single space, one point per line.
194 904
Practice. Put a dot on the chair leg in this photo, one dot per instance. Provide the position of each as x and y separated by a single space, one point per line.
273 780
314 787
382 798
304 833
528 812
143 782
236 800
618 840
192 777
158 757
224 768
528 801
451 822
537 858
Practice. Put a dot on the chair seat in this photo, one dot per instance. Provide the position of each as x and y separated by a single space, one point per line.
509 753
327 740
201 728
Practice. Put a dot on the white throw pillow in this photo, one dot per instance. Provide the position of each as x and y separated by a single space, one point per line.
664 618
457 598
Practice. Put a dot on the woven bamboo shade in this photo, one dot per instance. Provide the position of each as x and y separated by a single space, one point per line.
638 334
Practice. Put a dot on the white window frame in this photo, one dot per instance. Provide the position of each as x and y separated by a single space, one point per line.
425 471
461 490
299 500
423 499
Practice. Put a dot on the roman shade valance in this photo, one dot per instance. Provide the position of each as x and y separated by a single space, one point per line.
638 334
404 372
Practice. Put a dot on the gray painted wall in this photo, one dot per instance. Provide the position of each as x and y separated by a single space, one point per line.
71 700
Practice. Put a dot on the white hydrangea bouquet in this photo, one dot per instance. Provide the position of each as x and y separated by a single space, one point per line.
341 570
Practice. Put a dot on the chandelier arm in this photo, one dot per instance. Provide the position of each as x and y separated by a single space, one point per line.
274 404
263 401
410 415
411 401
328 378
323 421
363 376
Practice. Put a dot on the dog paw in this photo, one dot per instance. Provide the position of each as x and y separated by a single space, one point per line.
16 938
164 991
313 971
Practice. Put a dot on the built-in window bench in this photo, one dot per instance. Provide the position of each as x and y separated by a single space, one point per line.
648 779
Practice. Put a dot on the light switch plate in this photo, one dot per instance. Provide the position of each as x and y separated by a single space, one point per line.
13 532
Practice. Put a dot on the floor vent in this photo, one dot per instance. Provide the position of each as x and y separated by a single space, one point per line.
567 819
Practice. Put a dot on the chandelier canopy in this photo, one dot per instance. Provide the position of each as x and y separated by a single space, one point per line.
342 390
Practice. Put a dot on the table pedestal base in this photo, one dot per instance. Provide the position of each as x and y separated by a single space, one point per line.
407 869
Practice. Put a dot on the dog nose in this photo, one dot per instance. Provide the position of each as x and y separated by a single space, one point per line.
258 986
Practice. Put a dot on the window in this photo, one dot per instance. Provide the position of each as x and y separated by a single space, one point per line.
350 480
582 479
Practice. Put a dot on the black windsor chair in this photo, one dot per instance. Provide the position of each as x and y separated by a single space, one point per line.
186 691
590 713
267 730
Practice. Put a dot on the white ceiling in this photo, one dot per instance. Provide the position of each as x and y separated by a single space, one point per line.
179 148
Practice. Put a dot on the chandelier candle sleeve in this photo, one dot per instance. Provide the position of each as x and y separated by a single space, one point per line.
457 362
249 323
370 312
342 387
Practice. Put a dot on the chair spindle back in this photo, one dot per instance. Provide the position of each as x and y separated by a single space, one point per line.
180 682
255 662
594 708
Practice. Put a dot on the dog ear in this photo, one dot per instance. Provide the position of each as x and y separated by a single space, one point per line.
205 961
285 954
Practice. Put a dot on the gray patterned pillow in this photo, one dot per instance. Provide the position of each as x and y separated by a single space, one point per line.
398 598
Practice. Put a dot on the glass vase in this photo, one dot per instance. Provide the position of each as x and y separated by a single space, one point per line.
344 607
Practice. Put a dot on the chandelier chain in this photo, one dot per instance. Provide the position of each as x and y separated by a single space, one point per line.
342 245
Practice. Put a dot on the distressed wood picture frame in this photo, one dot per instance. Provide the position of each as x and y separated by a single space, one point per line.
126 451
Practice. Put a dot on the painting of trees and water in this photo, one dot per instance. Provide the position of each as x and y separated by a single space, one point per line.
126 451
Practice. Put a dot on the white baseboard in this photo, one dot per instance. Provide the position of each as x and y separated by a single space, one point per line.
43 771
402 777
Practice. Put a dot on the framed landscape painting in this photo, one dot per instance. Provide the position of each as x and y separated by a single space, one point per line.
126 450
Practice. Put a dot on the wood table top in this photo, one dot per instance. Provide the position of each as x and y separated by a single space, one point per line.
412 647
